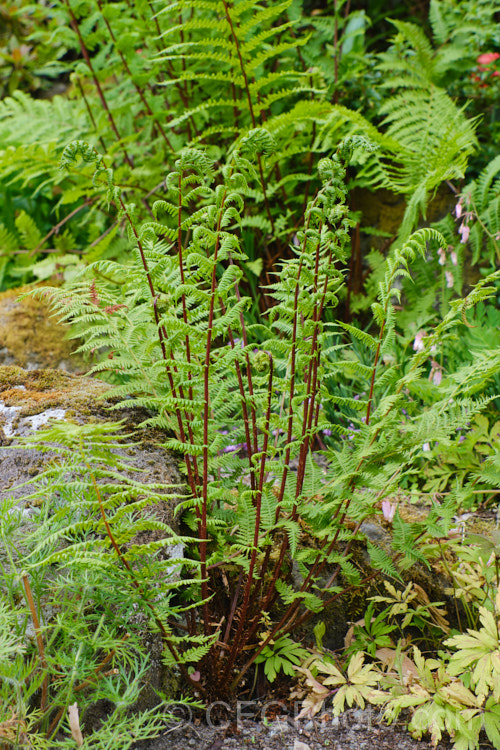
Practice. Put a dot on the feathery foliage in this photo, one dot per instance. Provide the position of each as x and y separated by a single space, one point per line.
244 403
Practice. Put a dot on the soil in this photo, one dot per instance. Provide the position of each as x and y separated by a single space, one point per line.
356 729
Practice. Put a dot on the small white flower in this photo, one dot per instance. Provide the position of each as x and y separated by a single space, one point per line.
449 279
442 256
426 447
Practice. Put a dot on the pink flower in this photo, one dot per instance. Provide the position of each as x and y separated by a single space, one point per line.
449 279
464 231
442 256
454 258
458 209
418 344
486 59
388 509
436 373
426 447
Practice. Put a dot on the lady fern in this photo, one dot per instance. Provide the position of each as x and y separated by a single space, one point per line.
244 403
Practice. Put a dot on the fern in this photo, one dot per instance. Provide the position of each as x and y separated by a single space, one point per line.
243 402
434 140
482 197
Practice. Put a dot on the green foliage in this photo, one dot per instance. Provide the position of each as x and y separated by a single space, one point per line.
241 402
454 693
462 30
463 457
62 640
373 633
145 85
481 200
206 179
433 139
281 655
25 65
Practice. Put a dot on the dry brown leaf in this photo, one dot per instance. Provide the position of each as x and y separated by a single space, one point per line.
74 724
313 703
388 655
350 633
12 728
436 613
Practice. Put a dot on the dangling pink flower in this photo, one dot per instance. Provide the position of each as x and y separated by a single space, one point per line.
454 258
388 510
436 373
464 231
458 209
449 279
418 344
442 256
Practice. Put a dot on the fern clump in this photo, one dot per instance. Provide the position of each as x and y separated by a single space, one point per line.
201 230
246 403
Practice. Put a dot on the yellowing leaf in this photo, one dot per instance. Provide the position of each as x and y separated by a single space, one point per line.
458 695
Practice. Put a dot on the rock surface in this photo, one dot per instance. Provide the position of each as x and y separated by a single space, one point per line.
30 399
31 338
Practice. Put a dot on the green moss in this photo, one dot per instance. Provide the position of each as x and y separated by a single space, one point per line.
30 335
47 389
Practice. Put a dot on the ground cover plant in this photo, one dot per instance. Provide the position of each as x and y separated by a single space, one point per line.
199 170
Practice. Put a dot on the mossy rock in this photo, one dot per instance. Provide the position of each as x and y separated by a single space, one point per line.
32 338
385 210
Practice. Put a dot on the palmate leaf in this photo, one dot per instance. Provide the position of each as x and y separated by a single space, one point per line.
355 688
491 720
479 653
